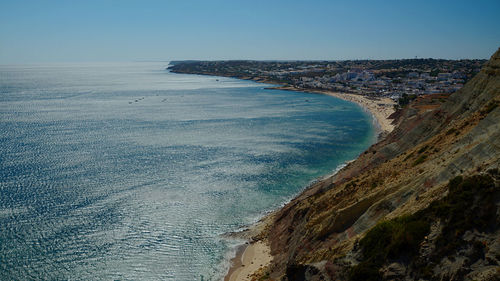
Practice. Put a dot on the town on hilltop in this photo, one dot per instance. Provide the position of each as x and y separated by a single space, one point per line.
379 78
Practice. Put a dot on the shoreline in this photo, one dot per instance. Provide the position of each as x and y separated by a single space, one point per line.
250 258
254 255
379 108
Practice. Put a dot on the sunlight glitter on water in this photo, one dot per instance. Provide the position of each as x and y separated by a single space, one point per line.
126 171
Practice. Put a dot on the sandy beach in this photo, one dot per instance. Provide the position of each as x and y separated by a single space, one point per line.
253 255
249 259
379 108
256 255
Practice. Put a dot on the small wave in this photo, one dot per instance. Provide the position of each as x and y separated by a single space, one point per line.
236 243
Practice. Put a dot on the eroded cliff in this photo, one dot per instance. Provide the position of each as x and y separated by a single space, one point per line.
321 234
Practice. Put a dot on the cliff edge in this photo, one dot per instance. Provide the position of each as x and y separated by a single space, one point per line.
407 208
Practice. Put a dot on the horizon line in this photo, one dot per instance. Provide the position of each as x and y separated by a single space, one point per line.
214 60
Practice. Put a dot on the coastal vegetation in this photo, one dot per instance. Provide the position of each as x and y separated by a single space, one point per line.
422 203
469 206
404 100
395 239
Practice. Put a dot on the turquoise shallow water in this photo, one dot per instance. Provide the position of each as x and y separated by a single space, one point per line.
126 171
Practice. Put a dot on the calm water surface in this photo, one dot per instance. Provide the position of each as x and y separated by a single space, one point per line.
126 171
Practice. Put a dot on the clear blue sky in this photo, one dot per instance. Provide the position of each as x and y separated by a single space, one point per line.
125 30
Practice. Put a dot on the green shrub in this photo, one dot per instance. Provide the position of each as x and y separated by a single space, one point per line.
470 204
389 240
423 149
420 160
393 238
451 131
408 156
405 99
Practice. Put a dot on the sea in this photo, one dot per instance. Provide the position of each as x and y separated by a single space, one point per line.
125 171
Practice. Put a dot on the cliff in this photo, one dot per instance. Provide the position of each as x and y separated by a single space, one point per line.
410 198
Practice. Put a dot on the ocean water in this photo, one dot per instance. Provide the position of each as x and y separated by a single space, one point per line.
128 172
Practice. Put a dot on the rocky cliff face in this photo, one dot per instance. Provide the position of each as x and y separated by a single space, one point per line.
322 234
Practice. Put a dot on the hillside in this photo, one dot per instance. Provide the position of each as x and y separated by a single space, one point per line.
429 192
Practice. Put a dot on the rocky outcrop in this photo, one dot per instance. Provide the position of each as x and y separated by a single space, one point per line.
316 235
